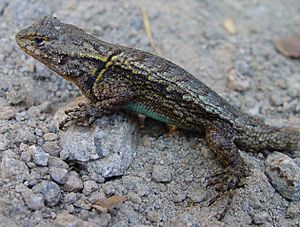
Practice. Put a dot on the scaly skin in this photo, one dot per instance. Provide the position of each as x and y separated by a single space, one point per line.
116 77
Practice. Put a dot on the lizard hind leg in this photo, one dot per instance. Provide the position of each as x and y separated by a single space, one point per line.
220 139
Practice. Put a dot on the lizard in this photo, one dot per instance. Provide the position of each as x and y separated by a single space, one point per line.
114 77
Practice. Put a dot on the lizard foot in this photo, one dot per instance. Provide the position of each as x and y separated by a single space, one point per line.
225 182
84 114
226 179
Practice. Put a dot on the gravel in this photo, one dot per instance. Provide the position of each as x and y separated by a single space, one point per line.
54 178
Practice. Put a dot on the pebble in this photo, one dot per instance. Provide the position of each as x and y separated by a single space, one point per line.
39 157
284 175
65 219
261 218
59 175
153 216
57 162
50 136
33 178
34 200
4 142
161 174
15 97
133 197
26 156
50 191
70 198
197 196
73 182
89 187
52 147
292 211
7 113
180 196
237 81
13 169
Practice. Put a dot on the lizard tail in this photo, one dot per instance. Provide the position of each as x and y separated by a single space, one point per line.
265 137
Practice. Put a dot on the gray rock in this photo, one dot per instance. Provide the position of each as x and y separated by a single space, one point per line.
70 198
153 216
161 174
26 156
33 200
52 147
7 113
284 175
73 182
89 187
15 97
261 218
39 157
65 219
59 175
237 81
197 196
50 191
50 136
13 169
57 162
33 178
107 147
4 142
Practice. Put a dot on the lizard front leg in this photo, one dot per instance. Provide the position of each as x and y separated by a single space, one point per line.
86 113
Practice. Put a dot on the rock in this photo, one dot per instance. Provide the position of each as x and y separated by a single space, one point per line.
237 81
33 178
13 169
50 137
34 111
4 142
153 216
261 218
33 200
59 175
284 175
184 219
161 174
39 157
73 182
197 196
52 147
26 153
50 191
65 219
107 146
292 211
57 162
15 97
70 198
89 187
7 113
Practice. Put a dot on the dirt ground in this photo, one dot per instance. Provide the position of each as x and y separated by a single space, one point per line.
48 177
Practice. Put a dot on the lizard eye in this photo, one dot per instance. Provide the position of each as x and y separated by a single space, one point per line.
38 41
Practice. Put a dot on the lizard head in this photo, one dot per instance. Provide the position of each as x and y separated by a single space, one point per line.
64 48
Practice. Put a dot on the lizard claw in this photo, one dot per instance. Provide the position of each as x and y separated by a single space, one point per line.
84 115
226 180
